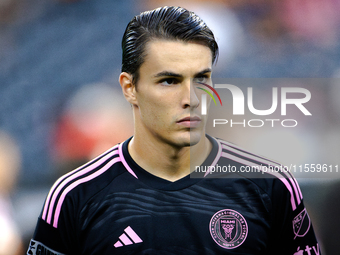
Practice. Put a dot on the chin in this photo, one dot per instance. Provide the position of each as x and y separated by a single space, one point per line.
189 139
195 138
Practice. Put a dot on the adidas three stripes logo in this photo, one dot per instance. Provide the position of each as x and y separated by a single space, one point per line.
128 237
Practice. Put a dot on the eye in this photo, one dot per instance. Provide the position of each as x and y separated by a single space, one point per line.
169 81
201 79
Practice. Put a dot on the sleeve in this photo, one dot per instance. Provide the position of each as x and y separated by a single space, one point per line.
55 230
293 232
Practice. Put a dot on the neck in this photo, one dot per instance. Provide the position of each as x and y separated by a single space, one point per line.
166 161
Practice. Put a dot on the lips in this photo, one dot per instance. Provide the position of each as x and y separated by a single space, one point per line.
195 118
190 122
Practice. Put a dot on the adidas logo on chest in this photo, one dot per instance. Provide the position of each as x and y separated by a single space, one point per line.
129 237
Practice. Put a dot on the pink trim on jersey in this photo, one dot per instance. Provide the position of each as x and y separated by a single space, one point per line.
64 180
284 180
218 155
298 187
294 184
51 192
121 155
75 184
296 190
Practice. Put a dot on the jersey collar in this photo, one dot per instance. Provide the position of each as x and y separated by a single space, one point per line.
159 183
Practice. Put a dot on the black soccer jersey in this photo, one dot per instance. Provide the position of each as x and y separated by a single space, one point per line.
113 206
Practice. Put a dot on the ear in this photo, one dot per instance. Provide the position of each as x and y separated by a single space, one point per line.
128 88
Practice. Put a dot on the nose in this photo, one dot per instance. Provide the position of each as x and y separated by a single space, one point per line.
190 98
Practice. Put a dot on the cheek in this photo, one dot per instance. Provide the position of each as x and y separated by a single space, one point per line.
150 108
157 112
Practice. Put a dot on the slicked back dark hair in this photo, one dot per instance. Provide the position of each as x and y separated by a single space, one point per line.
170 23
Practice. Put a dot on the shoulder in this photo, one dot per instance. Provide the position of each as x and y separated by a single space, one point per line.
269 175
79 185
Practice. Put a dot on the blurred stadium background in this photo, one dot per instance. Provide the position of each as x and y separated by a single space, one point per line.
60 101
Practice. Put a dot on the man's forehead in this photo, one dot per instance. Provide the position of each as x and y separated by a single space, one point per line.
177 55
165 44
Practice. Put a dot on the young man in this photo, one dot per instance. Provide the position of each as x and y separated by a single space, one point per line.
138 197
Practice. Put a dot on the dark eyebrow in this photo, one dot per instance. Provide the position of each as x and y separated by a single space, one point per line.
167 73
171 74
208 70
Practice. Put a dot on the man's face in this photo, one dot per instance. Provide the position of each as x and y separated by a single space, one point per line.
168 101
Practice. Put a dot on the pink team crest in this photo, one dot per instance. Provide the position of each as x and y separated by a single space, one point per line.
228 228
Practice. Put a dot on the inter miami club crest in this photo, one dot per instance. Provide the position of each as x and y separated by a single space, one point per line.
228 228
301 224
